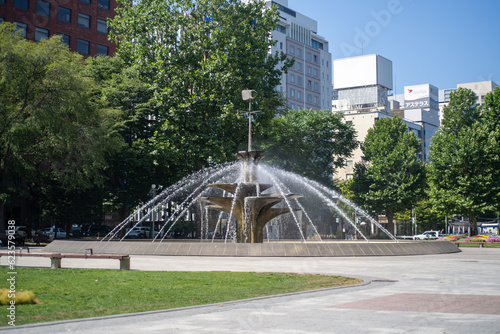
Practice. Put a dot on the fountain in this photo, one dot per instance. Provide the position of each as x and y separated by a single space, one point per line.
248 212
251 209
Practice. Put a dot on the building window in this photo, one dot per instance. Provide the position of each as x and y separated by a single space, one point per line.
40 34
299 66
292 105
83 46
299 80
85 1
292 49
348 176
309 98
309 83
43 8
104 4
299 95
281 45
64 14
65 38
299 52
316 86
309 70
327 63
316 100
21 4
309 56
21 28
83 20
315 58
102 27
315 72
102 50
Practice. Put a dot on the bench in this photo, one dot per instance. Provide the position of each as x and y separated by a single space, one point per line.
55 258
457 243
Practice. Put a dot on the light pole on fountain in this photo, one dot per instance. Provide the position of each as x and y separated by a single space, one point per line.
249 96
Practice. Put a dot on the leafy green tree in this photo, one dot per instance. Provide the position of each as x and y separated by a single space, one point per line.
390 178
309 142
49 130
464 157
198 56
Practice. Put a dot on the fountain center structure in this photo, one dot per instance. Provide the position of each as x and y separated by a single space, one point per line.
251 209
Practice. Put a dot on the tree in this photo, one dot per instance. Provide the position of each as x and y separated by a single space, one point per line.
49 130
311 143
390 178
198 56
464 157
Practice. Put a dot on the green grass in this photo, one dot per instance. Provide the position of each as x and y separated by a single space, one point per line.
81 293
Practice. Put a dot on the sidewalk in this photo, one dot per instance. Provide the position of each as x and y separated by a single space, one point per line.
450 293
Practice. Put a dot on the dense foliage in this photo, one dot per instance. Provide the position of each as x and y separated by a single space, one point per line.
311 143
198 56
390 178
464 175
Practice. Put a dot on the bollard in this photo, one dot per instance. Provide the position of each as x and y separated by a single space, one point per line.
125 263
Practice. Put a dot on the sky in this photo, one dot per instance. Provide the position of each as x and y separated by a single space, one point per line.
439 42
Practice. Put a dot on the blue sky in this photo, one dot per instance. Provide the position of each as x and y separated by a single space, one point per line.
440 42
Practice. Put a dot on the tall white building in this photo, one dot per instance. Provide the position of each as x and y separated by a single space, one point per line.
308 83
362 85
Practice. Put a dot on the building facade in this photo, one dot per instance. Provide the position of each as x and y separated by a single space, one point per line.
361 89
81 23
308 83
480 88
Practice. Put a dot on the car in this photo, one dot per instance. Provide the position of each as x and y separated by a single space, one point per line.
138 232
96 230
54 232
428 235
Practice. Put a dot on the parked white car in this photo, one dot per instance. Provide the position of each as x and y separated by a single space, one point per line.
54 232
428 235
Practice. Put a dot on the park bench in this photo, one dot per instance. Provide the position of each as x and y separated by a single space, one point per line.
457 243
55 258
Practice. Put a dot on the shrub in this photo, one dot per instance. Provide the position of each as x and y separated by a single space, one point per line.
26 297
493 239
475 238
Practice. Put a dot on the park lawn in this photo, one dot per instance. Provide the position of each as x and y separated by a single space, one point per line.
81 293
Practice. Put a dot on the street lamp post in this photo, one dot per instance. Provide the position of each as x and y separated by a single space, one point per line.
247 95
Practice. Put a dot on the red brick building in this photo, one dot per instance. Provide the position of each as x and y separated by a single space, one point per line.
82 23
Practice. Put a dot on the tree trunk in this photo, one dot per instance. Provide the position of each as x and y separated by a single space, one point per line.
472 223
3 225
391 227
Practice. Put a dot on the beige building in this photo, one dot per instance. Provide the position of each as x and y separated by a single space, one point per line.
308 84
362 86
480 88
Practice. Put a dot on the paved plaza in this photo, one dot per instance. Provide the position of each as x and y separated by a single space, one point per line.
445 293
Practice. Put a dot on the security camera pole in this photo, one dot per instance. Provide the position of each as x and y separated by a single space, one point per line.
247 95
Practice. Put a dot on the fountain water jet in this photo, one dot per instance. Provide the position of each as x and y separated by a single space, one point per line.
251 209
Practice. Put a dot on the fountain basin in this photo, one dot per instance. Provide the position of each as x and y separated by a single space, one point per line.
267 249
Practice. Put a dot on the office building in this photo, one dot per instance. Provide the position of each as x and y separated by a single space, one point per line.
362 85
480 88
81 23
308 83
